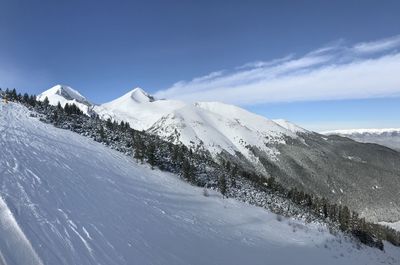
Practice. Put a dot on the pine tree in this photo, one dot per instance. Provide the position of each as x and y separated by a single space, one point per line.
187 170
271 183
222 185
234 174
122 126
14 95
138 147
325 208
32 100
109 123
26 98
46 101
150 153
102 133
55 117
344 218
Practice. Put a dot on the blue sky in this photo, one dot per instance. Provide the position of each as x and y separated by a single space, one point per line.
322 64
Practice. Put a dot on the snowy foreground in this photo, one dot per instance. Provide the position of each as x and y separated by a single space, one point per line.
68 200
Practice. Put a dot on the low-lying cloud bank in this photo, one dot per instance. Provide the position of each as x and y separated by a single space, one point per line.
362 70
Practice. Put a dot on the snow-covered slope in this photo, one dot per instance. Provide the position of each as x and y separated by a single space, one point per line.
290 126
65 199
138 108
220 127
388 137
65 94
217 126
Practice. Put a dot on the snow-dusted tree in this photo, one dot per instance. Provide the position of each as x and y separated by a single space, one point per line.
222 184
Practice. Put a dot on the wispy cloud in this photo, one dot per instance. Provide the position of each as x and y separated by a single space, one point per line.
363 70
378 46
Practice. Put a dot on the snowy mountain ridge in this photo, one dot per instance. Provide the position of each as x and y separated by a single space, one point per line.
216 126
220 127
138 108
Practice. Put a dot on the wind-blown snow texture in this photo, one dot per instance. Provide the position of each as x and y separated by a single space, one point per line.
68 200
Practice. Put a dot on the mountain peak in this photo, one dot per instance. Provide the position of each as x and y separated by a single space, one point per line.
64 91
140 96
65 94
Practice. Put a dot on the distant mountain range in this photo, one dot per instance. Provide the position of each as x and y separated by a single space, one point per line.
387 137
365 177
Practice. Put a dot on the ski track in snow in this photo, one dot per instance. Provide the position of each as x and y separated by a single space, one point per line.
68 200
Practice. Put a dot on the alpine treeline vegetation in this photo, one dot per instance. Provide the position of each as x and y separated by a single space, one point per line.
199 168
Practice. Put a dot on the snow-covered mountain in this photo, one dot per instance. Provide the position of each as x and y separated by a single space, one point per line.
220 128
65 199
138 108
327 166
65 95
216 126
388 137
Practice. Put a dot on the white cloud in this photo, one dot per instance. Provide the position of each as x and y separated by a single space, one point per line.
378 46
364 70
268 63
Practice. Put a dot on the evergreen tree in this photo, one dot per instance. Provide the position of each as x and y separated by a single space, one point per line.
233 176
187 170
109 123
150 153
271 182
222 184
138 147
14 95
325 208
26 98
32 100
344 218
102 133
46 102
122 126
